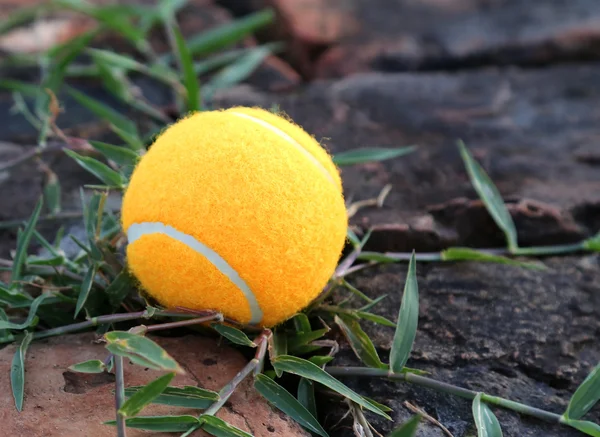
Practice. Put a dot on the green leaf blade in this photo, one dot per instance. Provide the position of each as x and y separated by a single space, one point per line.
103 111
486 422
219 428
90 366
490 196
145 395
160 423
103 172
283 400
86 287
359 341
23 243
141 350
228 34
190 81
589 428
306 369
586 396
374 154
408 428
408 319
186 397
233 334
120 155
17 371
468 254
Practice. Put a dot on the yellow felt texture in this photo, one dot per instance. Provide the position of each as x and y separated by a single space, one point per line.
298 134
242 190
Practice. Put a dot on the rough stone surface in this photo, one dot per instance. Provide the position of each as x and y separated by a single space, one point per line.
363 35
59 402
525 335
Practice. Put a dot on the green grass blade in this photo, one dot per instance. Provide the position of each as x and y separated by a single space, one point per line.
586 396
298 341
408 319
31 316
283 400
86 287
190 81
160 423
186 397
141 350
103 111
592 243
145 395
52 192
23 243
306 369
490 196
120 155
233 334
306 395
238 71
486 422
278 346
359 341
467 254
90 366
24 88
17 371
360 156
380 320
102 171
119 288
302 323
228 34
408 428
589 428
14 297
5 335
219 428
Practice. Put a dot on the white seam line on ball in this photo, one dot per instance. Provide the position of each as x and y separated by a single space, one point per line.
288 139
137 230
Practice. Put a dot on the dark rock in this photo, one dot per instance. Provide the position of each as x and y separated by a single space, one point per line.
363 35
525 335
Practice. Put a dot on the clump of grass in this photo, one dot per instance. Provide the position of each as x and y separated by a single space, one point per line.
53 294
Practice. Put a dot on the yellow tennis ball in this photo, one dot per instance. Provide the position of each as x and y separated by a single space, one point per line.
239 211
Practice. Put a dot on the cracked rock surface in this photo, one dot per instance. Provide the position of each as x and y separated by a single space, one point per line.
51 389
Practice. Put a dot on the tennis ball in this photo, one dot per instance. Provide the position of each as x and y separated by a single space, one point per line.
239 211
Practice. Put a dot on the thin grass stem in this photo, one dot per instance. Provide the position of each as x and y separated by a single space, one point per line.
444 387
119 395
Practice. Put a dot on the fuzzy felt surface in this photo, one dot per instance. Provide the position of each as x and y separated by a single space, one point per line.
249 195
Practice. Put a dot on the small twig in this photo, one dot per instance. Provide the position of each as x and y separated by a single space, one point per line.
100 320
119 395
361 426
227 390
521 251
424 414
378 202
446 388
358 268
217 317
261 341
